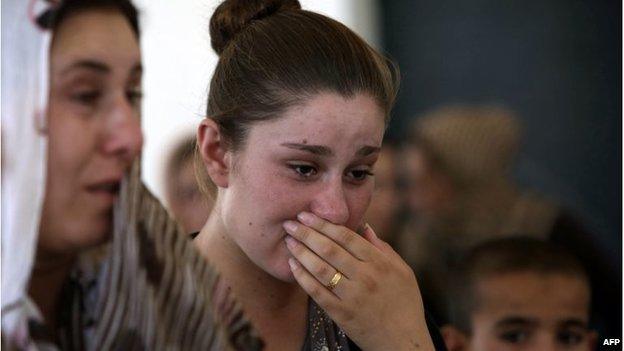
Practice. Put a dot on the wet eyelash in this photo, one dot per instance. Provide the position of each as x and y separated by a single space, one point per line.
86 96
360 178
135 94
366 172
295 168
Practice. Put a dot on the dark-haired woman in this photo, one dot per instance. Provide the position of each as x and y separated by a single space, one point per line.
92 130
297 109
71 131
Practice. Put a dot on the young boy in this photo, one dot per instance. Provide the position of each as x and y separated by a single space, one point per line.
519 294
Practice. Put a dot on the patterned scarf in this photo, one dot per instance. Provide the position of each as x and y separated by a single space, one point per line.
148 290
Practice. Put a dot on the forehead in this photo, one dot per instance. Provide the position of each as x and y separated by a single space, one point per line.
545 296
101 34
326 119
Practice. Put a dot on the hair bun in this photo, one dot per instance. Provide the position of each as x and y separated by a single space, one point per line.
232 16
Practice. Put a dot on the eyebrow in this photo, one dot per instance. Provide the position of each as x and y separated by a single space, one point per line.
99 67
88 64
515 320
368 150
573 322
321 150
313 149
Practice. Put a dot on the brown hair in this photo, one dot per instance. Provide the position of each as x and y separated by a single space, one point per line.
55 15
502 256
273 55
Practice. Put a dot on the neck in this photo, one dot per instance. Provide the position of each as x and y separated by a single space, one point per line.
273 306
49 274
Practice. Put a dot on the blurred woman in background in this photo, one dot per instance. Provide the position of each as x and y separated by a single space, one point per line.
461 194
187 203
72 133
90 123
387 207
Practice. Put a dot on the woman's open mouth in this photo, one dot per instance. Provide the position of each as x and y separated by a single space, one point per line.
107 191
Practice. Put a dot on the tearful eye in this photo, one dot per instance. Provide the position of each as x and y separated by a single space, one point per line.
88 97
305 171
359 175
570 337
514 336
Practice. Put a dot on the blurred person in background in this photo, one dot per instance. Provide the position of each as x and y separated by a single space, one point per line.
187 203
461 194
71 101
388 201
519 293
88 126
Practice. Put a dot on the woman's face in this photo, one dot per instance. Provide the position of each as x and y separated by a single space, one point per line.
430 192
188 205
387 199
317 157
93 127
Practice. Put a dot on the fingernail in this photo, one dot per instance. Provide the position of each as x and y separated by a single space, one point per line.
290 226
306 218
292 264
290 242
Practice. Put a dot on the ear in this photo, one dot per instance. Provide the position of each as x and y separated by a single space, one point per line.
213 152
454 338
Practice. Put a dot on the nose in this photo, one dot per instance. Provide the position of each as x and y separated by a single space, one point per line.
547 342
330 203
123 137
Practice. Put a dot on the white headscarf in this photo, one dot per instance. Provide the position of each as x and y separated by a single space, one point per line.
130 302
24 98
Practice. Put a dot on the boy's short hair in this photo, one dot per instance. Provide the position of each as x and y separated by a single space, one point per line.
501 256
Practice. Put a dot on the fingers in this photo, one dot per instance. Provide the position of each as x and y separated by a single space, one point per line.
315 266
322 247
369 234
350 241
383 246
317 291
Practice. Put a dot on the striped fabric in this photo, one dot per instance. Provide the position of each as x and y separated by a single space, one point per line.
154 290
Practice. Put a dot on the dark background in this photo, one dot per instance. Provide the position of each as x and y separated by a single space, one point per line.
556 63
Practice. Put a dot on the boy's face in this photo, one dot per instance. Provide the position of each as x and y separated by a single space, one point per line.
531 311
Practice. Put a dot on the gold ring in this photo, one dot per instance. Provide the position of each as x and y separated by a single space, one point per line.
334 281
